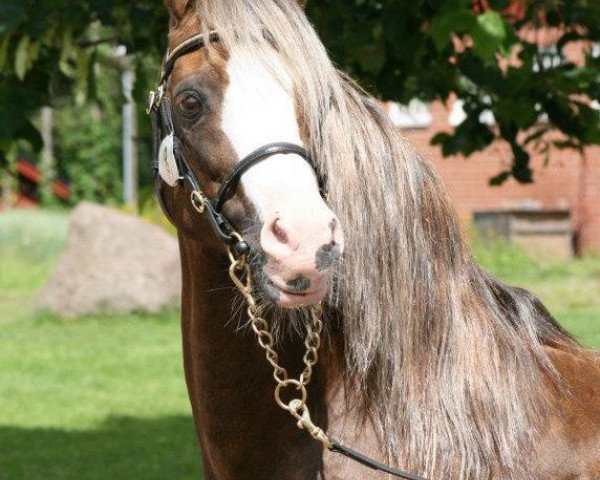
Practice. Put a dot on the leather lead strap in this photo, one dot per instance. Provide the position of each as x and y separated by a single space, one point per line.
336 447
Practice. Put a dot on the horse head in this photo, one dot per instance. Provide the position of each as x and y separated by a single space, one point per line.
224 105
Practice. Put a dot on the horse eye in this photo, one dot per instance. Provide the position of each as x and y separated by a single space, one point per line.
190 105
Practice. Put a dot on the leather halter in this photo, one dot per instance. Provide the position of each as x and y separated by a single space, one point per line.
159 107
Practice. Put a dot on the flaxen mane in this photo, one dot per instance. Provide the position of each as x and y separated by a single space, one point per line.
448 362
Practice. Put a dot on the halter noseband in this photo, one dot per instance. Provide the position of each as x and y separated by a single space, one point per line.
159 107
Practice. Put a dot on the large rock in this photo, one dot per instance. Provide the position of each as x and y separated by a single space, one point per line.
112 263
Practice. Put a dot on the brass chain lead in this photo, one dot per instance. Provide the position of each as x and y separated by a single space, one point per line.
241 275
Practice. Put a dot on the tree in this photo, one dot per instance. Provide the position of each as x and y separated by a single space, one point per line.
49 49
431 48
398 49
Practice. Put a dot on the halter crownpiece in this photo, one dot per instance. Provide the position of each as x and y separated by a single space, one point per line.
170 164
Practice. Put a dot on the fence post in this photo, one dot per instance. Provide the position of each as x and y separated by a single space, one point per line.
130 131
47 157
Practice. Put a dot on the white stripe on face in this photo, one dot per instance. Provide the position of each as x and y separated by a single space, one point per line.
259 109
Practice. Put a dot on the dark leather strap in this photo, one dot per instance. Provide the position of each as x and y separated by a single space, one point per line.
367 462
162 126
188 46
232 180
157 138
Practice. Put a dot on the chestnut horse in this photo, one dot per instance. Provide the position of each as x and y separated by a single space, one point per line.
428 363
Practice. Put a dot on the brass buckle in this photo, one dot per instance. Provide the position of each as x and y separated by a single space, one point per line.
302 414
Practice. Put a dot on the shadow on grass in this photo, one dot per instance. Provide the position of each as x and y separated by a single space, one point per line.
123 448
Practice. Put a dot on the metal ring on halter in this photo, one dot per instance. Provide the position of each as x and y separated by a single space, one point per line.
198 201
301 388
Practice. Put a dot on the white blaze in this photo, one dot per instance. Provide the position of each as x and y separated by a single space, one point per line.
259 109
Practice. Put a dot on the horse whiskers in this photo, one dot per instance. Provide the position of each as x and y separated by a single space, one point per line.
221 289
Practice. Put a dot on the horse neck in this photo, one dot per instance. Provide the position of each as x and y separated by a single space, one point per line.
230 382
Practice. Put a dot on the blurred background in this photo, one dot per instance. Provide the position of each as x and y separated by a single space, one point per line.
501 95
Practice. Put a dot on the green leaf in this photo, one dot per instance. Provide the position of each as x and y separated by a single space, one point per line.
499 179
448 143
489 33
4 44
493 25
454 20
82 66
22 57
67 53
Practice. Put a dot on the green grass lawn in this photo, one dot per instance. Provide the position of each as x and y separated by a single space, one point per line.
570 289
96 398
100 398
104 398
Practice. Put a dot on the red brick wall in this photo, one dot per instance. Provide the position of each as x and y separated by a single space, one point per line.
566 182
590 201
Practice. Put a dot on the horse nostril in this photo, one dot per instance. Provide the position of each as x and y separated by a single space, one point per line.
300 284
327 255
279 233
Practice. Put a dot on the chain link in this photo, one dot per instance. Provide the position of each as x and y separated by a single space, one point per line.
241 275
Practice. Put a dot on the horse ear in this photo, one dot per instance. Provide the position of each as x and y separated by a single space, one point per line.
178 8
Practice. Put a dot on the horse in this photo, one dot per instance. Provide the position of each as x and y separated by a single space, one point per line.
427 362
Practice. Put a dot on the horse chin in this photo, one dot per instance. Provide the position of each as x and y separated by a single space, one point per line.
283 296
275 291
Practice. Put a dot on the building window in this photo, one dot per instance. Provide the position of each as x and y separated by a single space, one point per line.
458 115
548 58
414 115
